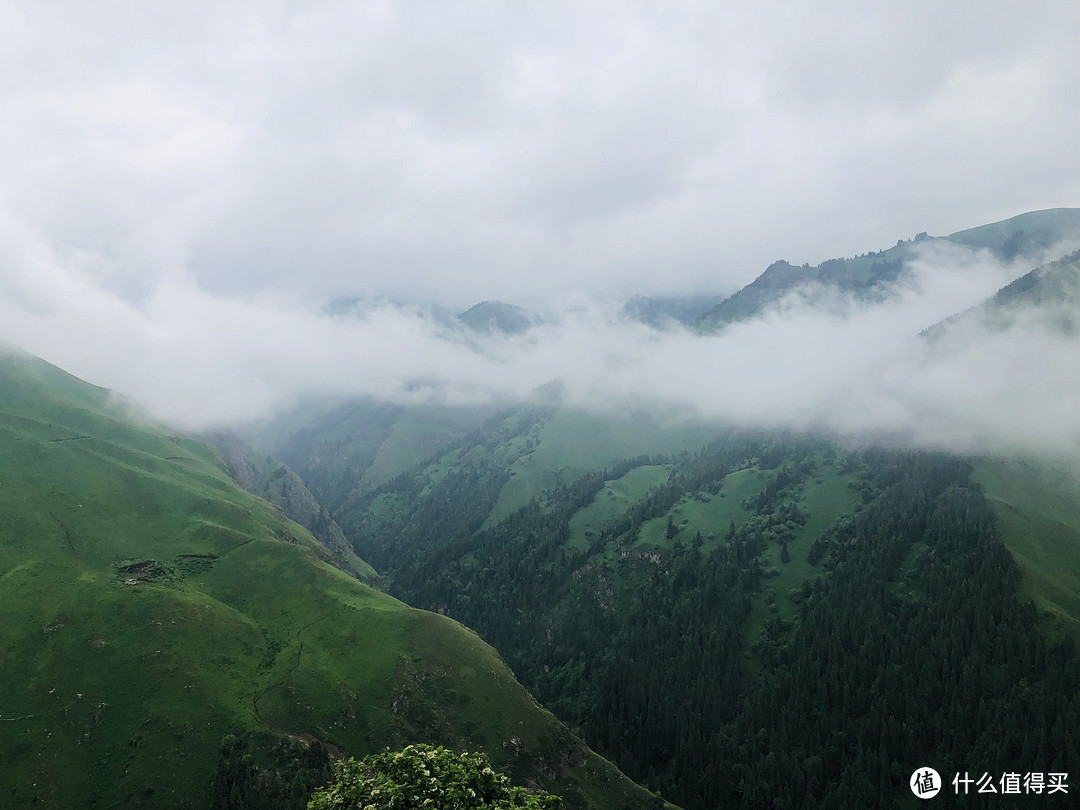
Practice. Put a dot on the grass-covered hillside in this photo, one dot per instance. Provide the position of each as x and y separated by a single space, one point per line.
1038 510
149 607
338 446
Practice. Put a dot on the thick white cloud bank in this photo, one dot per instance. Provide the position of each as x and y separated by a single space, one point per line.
184 186
817 361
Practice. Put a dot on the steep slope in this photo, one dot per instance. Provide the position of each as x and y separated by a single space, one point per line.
767 622
1047 298
337 446
1037 501
1038 509
276 483
1017 238
1054 289
149 607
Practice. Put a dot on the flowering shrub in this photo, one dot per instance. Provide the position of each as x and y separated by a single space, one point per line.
420 777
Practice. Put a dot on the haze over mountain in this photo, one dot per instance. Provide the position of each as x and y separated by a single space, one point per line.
825 353
181 205
717 365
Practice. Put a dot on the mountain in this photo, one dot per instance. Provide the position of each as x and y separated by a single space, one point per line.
167 637
1016 239
498 317
276 483
1037 505
336 446
1054 289
764 619
736 619
658 310
486 317
1022 236
1049 294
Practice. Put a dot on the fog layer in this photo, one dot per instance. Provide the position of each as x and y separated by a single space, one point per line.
817 360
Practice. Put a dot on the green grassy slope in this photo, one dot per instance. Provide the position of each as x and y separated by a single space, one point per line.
276 483
823 498
569 443
336 447
1037 502
149 606
344 451
1021 234
417 434
613 500
1038 510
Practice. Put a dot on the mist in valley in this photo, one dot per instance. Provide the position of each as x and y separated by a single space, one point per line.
818 359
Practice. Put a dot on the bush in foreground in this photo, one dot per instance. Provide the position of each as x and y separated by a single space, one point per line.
421 777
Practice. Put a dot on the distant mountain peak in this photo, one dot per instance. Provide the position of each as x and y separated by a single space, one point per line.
498 316
656 310
1026 236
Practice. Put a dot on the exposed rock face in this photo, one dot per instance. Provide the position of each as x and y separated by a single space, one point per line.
276 483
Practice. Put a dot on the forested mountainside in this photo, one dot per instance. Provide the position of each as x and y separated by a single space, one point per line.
767 622
169 640
539 406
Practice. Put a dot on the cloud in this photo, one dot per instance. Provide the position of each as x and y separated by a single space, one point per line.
818 360
186 186
467 150
827 362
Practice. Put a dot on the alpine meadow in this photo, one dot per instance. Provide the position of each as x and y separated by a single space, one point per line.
407 406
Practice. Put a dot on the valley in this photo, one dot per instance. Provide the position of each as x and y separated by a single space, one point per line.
539 406
627 606
667 587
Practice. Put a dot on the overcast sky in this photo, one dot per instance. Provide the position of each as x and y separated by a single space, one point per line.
184 187
518 150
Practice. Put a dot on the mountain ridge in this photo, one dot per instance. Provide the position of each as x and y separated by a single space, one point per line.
1024 235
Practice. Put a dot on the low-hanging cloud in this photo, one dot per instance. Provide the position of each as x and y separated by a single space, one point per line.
817 360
